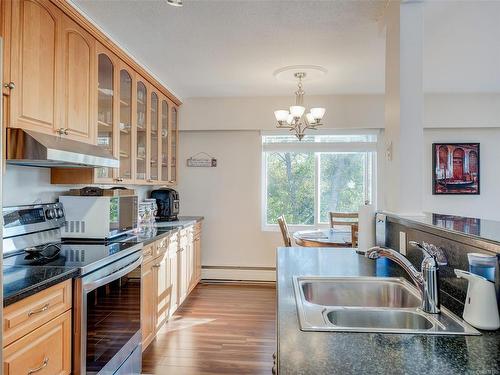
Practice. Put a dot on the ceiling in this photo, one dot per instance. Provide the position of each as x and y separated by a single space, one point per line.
232 47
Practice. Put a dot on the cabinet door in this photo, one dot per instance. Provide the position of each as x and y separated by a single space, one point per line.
174 268
197 254
173 146
164 141
44 351
125 140
148 305
78 81
162 291
141 132
106 108
153 139
35 60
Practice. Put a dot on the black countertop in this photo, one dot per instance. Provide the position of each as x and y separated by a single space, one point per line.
471 227
22 281
321 353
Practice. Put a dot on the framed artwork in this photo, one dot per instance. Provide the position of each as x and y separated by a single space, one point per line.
455 168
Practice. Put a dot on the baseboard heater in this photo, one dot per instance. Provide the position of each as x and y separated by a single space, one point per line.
238 273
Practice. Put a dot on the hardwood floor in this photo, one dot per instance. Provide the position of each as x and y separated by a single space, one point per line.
220 329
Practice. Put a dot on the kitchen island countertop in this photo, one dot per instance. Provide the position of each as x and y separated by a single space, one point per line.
322 353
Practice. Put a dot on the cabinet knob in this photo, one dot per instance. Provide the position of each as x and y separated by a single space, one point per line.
62 131
119 179
10 85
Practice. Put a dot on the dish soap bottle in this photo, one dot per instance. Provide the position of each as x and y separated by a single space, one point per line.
481 309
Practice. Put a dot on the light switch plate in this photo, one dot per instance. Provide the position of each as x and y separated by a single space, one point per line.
402 243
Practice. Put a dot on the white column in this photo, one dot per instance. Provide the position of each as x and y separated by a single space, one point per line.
404 105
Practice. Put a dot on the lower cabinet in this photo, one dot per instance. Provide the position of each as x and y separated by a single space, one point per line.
168 276
39 340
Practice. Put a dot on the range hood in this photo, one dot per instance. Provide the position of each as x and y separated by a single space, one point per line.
30 148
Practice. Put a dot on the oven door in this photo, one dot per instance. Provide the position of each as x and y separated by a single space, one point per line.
111 317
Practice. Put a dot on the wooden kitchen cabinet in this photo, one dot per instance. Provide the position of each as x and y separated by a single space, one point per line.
141 132
127 118
78 82
148 303
35 66
37 333
45 351
174 139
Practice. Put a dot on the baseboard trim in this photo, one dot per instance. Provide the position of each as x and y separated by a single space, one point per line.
234 273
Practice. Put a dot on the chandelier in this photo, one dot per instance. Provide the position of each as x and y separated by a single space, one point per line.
296 119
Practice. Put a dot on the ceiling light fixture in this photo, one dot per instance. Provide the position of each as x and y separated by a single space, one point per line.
296 119
175 3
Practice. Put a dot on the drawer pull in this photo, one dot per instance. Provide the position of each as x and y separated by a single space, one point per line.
157 265
41 310
41 367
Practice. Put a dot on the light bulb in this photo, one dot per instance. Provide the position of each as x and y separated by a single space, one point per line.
297 110
318 113
281 115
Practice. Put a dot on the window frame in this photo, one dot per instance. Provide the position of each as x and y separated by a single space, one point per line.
370 147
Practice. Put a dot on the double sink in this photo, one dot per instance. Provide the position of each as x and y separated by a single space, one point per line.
369 304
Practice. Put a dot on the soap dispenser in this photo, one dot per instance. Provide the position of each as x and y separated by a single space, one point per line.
481 309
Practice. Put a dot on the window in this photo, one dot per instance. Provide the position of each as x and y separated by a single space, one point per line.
325 172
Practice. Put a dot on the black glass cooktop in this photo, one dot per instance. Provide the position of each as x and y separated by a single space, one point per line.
85 256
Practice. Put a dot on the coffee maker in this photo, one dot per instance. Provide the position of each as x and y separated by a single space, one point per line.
167 201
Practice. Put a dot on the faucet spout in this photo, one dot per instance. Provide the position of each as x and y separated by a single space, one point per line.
426 281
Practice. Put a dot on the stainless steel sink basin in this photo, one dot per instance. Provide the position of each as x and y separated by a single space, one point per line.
369 304
381 319
357 292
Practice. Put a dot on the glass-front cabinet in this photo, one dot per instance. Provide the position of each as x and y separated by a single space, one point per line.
125 126
154 140
141 133
164 141
105 110
173 145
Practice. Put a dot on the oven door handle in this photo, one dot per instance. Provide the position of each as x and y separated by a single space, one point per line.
112 276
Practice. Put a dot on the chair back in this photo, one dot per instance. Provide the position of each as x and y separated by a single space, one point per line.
287 239
346 219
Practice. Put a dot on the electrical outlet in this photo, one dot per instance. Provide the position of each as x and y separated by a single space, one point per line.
402 243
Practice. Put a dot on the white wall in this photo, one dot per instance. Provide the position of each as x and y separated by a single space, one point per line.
27 185
229 197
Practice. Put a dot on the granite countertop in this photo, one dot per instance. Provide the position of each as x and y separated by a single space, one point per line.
467 226
327 353
22 281
149 234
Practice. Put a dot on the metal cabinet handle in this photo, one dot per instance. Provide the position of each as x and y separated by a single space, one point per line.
10 85
41 310
41 367
119 179
66 131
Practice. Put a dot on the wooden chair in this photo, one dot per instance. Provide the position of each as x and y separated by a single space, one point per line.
287 239
344 219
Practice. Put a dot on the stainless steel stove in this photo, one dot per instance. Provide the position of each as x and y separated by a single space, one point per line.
106 308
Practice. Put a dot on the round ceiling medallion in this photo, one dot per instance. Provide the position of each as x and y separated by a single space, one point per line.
289 73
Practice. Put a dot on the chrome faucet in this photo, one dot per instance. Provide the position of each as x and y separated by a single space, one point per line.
426 281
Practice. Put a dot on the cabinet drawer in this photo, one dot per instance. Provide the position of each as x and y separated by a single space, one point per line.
161 246
30 313
148 253
45 351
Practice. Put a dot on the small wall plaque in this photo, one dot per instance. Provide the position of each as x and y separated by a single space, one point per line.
207 161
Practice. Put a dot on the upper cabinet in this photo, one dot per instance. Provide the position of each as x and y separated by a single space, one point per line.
126 120
141 129
35 66
52 72
164 134
63 77
78 81
154 140
174 137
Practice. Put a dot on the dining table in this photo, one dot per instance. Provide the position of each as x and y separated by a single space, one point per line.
323 238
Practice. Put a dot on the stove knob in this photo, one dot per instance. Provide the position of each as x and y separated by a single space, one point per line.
59 213
50 213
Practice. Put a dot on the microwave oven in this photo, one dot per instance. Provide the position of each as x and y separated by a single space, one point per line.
101 217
